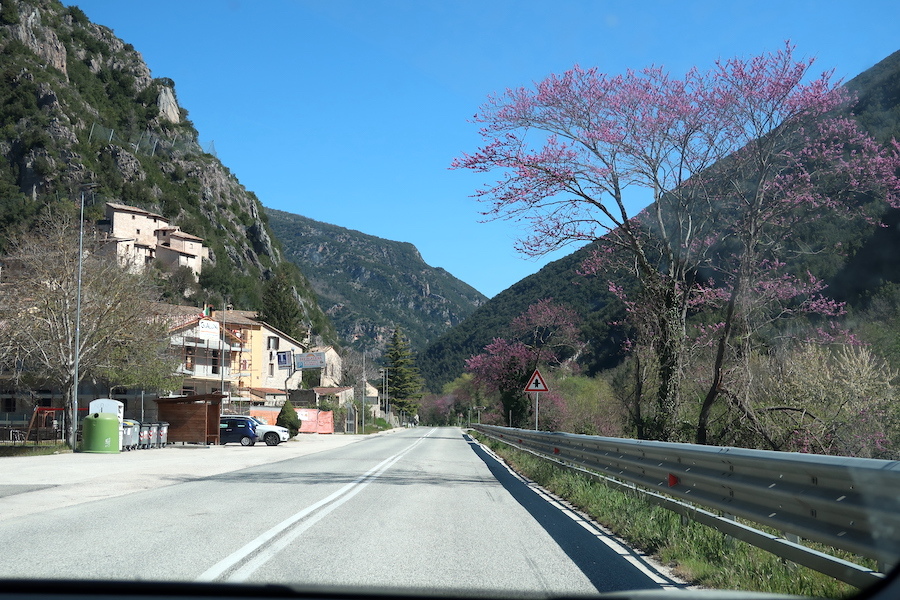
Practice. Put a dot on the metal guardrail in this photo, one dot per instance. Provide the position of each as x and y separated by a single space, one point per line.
851 504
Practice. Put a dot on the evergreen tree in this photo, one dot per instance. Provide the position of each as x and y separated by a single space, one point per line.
281 308
404 381
288 418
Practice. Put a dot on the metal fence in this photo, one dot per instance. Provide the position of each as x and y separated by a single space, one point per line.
851 504
14 419
150 144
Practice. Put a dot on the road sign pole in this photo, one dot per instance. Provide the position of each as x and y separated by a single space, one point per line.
537 401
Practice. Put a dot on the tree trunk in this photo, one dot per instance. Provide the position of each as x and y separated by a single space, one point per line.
669 348
718 368
638 397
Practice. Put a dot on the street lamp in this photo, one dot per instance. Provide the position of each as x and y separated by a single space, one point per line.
74 433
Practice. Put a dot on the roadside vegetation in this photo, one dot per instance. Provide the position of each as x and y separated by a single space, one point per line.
377 426
32 449
696 553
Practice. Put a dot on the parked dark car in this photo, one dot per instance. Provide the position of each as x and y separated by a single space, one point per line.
272 435
237 429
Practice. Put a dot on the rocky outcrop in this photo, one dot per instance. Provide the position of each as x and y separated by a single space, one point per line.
40 39
168 108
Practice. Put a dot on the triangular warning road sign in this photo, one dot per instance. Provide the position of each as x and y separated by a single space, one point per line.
536 383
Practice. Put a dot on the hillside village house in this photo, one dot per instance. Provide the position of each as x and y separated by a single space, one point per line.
237 354
207 353
240 360
264 369
138 237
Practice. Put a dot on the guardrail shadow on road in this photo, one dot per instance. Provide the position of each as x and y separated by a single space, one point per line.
606 569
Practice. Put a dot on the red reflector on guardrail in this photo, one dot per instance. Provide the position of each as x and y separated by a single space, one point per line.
556 451
673 480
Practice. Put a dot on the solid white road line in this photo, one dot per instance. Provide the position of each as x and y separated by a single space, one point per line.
341 496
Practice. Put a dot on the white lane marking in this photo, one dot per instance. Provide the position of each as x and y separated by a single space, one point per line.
349 490
281 543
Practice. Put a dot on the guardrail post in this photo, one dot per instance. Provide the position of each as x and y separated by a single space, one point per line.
729 540
794 539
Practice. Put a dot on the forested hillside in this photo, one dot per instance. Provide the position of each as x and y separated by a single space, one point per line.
368 285
560 280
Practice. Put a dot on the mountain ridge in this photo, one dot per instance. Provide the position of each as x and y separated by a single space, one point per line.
354 272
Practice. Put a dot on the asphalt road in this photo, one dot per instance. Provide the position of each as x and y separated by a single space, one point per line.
421 508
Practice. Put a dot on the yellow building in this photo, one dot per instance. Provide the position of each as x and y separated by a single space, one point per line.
264 369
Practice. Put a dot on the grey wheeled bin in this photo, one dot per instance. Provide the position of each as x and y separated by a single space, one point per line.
163 434
144 437
131 431
154 435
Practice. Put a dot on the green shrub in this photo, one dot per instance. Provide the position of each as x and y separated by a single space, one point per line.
288 418
78 16
9 15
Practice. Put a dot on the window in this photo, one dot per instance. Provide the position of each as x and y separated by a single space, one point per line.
8 405
271 369
214 367
272 343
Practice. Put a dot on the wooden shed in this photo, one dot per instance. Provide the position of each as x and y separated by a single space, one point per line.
193 419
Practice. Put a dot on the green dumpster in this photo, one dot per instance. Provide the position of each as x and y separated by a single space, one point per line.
100 433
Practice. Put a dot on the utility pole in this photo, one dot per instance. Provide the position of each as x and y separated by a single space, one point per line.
363 403
74 439
222 352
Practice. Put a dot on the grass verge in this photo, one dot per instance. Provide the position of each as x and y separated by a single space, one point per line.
33 450
378 425
696 553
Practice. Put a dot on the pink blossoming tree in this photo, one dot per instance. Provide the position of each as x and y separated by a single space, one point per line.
546 332
732 159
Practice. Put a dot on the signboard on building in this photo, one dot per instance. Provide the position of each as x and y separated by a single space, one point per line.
309 360
284 359
207 328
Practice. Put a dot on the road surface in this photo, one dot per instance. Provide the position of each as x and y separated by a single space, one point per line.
424 508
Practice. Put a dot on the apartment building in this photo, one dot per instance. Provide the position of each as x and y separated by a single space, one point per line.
264 370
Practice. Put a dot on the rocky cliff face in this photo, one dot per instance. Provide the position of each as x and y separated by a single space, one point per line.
79 111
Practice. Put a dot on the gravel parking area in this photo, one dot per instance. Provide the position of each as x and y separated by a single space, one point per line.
34 484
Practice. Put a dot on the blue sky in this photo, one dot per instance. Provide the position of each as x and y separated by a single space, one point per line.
350 112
